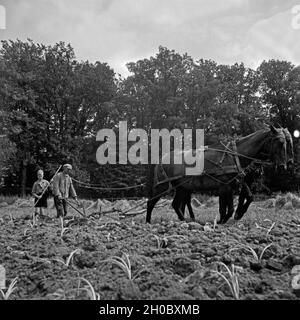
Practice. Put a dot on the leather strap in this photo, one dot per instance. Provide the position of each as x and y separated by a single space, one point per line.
161 169
237 160
224 153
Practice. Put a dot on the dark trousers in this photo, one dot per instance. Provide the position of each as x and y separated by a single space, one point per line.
61 207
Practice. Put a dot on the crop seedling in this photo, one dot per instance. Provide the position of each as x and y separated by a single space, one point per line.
162 242
93 295
215 223
70 257
295 222
123 263
58 295
31 225
63 229
232 279
264 228
12 287
11 218
251 250
42 260
61 294
34 220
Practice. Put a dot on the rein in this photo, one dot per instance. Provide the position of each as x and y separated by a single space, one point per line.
241 172
235 153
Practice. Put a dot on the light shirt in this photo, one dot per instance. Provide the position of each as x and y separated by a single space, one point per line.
63 186
39 186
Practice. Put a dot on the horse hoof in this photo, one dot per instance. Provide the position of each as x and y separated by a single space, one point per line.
226 219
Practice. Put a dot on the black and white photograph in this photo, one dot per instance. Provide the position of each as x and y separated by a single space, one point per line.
149 151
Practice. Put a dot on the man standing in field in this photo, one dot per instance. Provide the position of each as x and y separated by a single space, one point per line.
62 190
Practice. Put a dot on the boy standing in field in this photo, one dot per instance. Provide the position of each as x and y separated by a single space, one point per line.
40 196
62 190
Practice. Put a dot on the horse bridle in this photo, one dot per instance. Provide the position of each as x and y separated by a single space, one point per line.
268 145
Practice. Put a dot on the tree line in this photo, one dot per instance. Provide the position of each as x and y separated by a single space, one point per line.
52 106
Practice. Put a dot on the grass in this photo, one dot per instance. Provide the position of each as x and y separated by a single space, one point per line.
63 229
32 225
11 218
202 198
124 263
162 242
252 251
73 294
231 280
68 261
60 294
10 199
12 287
264 228
25 232
93 295
215 222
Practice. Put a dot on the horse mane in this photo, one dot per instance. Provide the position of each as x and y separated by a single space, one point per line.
251 135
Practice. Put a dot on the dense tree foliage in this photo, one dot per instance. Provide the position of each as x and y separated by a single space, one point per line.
52 106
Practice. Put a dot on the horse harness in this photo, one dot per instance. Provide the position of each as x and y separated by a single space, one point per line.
230 150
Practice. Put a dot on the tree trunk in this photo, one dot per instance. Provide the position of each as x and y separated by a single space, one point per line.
24 179
24 174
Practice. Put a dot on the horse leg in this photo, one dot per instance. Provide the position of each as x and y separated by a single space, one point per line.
230 205
186 196
242 198
247 194
222 204
177 203
150 205
188 202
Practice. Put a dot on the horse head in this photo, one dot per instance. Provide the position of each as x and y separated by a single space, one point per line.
276 145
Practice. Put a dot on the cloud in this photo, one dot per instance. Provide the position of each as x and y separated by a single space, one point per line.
120 31
272 38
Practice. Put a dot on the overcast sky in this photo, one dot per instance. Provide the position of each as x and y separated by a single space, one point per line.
121 31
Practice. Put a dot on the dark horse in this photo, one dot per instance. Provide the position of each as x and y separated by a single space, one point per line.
245 196
222 168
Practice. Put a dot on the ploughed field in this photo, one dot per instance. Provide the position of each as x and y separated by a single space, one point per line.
165 260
